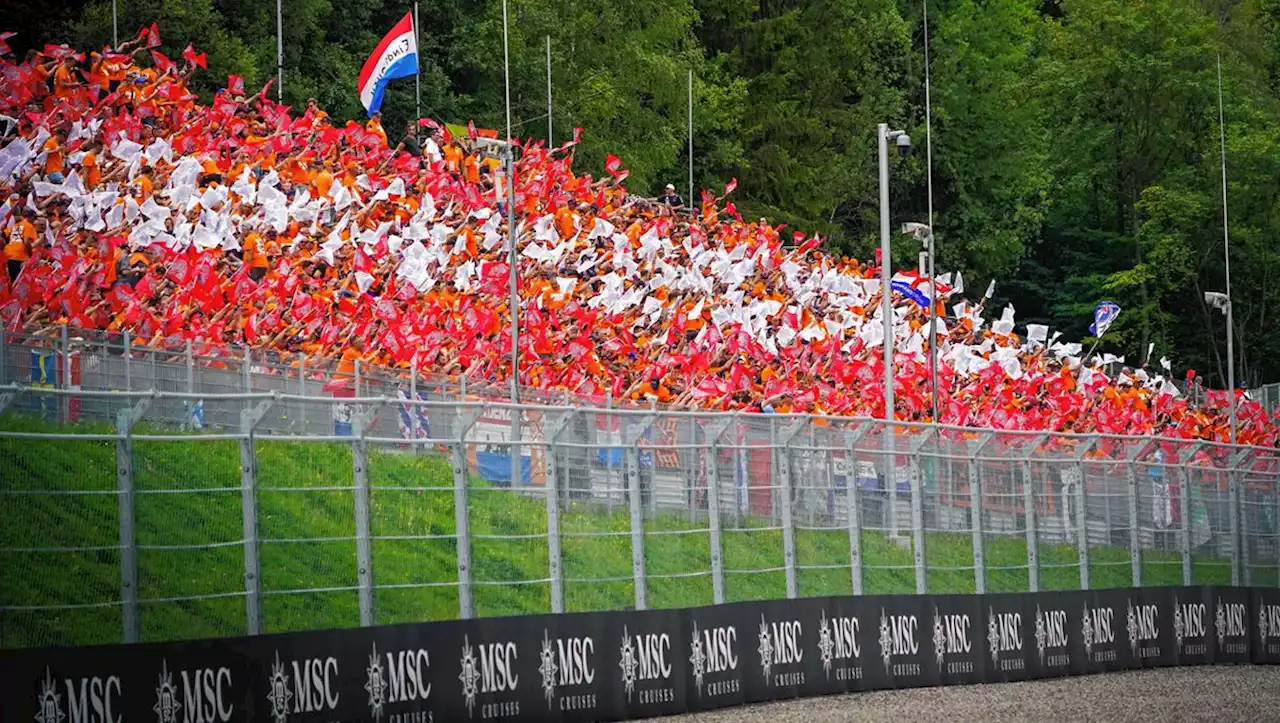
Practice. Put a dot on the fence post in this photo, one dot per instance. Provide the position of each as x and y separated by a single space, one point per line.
4 357
1275 511
608 457
1184 510
556 423
249 419
64 406
1082 514
364 546
712 432
917 511
631 442
191 369
1238 560
413 409
975 514
302 391
357 382
248 357
128 357
1029 503
125 419
852 502
1135 541
783 449
461 513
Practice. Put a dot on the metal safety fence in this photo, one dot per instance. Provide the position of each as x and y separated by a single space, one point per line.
224 501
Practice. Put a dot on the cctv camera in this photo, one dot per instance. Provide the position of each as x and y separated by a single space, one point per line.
904 145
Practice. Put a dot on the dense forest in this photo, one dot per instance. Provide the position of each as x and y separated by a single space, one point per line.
1075 142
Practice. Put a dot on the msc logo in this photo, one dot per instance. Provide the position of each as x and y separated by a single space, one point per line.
644 658
1097 629
404 679
838 641
1143 625
205 696
780 645
567 662
1051 634
1229 621
1004 635
898 637
314 687
951 637
1188 624
715 650
89 699
1269 626
492 671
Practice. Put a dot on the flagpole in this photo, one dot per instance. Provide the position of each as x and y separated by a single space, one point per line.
115 33
279 55
549 136
1226 257
514 300
690 202
933 284
417 77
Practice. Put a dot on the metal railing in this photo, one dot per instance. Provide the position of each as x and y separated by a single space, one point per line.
228 500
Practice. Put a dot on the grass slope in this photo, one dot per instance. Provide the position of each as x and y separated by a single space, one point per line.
189 537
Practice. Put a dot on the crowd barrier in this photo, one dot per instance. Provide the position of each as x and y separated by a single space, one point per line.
628 664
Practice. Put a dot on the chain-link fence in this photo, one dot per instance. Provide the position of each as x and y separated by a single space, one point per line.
230 499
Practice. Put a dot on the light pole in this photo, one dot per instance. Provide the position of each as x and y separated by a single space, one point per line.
1226 260
903 142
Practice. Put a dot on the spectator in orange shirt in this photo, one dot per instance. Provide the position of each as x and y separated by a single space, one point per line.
18 239
54 159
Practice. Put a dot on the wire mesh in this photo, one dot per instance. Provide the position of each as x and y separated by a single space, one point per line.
508 515
190 538
60 543
771 470
413 533
595 524
677 531
750 512
819 510
306 529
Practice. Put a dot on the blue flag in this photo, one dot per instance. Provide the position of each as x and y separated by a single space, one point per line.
1103 314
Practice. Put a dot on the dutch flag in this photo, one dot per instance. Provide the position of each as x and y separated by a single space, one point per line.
395 57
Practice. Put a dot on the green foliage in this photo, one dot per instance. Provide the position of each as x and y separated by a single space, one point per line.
1075 142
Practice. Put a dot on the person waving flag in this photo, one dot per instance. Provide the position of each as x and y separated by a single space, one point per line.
395 57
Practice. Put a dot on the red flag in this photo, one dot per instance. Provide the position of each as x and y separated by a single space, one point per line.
471 129
153 35
235 85
190 56
162 63
4 47
732 184
577 136
427 123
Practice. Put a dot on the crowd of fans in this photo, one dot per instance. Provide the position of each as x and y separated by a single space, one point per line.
130 205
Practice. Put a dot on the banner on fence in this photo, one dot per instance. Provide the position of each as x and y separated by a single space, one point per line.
631 664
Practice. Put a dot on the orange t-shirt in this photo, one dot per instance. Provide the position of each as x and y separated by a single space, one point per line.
20 235
92 172
53 161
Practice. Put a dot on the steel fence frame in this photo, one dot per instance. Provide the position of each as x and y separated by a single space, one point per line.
754 505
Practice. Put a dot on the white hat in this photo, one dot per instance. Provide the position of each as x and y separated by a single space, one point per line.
671 186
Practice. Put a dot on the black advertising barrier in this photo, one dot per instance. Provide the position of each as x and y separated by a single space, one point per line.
629 664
